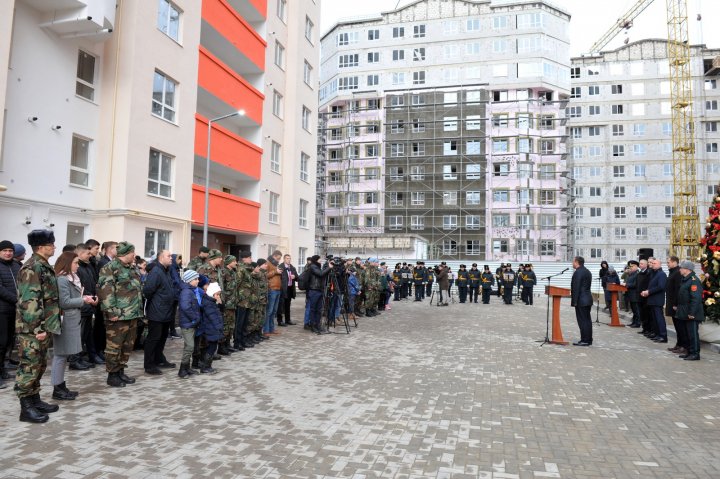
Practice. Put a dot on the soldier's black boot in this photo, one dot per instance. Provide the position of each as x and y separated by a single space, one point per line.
42 406
30 413
183 373
113 380
61 394
125 378
207 365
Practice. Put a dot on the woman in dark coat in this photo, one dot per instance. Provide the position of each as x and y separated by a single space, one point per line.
604 270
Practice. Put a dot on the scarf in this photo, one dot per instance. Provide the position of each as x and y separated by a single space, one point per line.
74 279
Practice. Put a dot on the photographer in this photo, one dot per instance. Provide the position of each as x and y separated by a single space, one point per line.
316 286
335 288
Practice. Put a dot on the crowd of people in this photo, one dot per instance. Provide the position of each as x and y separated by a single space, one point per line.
652 294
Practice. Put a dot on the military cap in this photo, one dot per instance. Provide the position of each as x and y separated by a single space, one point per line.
632 261
204 249
372 260
486 267
229 259
245 254
124 248
41 237
214 253
474 265
687 264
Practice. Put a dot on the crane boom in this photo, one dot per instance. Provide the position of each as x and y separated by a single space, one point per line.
623 23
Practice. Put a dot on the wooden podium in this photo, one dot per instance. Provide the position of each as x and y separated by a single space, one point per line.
557 294
614 315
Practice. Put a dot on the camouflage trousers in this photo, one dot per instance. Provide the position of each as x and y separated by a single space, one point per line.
371 300
32 354
120 342
257 318
228 325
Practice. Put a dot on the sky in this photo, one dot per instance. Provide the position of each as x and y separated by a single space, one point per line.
590 19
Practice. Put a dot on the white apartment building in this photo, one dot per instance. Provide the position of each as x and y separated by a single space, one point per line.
287 214
620 147
443 122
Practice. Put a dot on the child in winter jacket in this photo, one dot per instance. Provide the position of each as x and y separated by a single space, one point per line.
190 317
353 290
211 326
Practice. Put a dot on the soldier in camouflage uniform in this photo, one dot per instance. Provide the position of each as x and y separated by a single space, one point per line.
200 259
213 268
229 275
259 299
121 300
38 315
245 291
370 283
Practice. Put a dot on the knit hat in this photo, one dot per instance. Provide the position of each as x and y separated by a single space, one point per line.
203 280
261 261
213 288
245 254
190 275
686 264
40 237
124 248
316 258
214 253
229 259
5 244
19 250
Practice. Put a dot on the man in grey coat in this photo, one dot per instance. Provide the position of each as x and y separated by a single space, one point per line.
581 299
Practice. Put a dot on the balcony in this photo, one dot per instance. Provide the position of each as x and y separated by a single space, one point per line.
228 149
74 18
251 10
226 212
229 36
222 83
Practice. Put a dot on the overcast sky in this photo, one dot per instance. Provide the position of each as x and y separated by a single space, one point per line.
590 19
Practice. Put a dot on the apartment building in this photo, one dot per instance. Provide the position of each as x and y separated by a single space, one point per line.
287 195
442 124
620 161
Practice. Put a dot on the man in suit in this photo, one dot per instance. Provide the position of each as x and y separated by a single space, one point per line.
581 300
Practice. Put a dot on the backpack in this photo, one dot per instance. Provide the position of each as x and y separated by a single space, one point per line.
304 279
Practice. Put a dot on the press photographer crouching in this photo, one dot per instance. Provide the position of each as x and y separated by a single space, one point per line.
315 291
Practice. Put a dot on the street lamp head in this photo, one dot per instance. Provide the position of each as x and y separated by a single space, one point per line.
241 112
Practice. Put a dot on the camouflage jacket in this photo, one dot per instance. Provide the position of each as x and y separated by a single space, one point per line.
195 263
261 289
371 280
229 281
120 291
37 306
245 286
212 273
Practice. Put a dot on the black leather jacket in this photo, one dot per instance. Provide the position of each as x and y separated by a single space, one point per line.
317 277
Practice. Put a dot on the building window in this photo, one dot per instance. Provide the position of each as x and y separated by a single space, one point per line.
417 198
306 118
373 57
85 81
576 92
641 212
397 150
374 34
419 54
307 74
395 222
372 174
396 173
500 246
617 109
449 172
618 150
449 222
417 173
500 23
160 174
304 167
279 55
547 197
619 192
168 20
573 111
472 172
450 147
80 162
450 198
501 196
163 100
309 26
547 248
398 78
282 10
275 157
419 78
619 171
398 32
277 104
711 105
472 222
594 110
417 100
156 241
274 208
575 72
449 247
418 149
593 90
500 220
373 80
349 60
619 212
303 221
616 89
398 55
371 221
419 31
417 222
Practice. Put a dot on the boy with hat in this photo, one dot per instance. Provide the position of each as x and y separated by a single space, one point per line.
38 315
190 316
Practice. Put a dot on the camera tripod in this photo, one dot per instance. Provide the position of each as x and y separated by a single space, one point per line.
332 296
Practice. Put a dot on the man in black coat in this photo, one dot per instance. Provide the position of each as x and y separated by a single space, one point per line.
160 298
643 280
88 278
8 300
581 299
672 286
288 279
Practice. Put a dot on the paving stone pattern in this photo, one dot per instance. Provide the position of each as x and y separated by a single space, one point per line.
419 392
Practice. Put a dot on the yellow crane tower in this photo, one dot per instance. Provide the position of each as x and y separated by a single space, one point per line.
685 230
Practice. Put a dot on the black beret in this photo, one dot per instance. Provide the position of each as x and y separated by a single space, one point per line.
41 237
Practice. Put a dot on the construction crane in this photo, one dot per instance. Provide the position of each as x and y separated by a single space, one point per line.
685 228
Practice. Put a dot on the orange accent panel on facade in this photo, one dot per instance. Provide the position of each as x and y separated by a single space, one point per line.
227 212
235 29
220 80
260 6
228 149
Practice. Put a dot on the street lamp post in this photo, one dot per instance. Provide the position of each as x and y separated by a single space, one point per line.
207 170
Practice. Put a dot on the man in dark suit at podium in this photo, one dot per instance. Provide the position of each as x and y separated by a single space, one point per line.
581 300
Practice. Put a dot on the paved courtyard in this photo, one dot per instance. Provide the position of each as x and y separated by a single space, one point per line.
461 391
